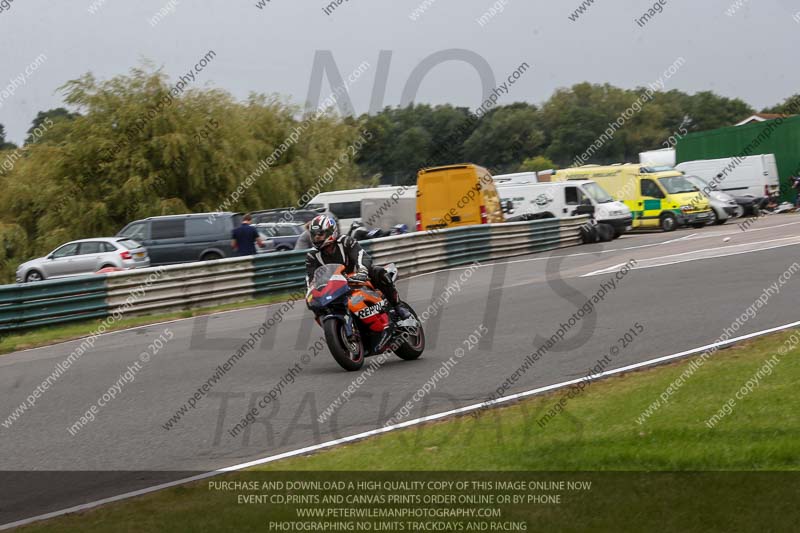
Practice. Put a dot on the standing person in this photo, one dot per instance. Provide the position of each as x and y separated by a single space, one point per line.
245 238
304 241
796 187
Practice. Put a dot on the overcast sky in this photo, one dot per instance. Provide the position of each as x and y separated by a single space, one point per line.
751 55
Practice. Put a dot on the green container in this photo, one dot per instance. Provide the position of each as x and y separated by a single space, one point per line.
783 141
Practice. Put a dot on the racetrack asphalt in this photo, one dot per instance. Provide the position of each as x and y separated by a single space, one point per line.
685 289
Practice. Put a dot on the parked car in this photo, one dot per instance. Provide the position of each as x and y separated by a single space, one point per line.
749 205
85 256
279 237
285 215
723 205
185 238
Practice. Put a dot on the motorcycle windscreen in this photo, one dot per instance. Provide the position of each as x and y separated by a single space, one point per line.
328 284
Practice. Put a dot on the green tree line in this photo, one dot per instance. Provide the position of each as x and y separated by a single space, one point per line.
118 153
523 136
113 160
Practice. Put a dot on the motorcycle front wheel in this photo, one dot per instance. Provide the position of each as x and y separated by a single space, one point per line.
349 353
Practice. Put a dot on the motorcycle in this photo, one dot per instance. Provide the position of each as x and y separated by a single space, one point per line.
769 205
358 321
360 232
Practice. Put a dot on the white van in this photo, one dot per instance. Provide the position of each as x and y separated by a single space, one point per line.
664 157
756 175
519 177
385 213
346 205
562 199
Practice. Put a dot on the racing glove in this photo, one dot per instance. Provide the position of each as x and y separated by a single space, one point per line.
362 275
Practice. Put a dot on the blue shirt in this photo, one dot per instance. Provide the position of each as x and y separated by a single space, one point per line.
245 237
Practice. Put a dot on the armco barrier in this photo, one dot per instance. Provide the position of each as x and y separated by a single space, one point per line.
422 252
203 284
279 272
52 302
183 286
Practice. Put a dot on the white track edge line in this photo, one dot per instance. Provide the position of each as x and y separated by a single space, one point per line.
608 270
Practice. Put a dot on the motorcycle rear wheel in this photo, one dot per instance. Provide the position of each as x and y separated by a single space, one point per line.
414 344
348 353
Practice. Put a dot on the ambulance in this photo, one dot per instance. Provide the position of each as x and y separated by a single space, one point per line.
658 197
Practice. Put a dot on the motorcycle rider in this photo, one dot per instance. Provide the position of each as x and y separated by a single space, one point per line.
358 231
330 247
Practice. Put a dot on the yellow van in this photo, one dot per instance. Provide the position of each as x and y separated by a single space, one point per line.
657 196
456 195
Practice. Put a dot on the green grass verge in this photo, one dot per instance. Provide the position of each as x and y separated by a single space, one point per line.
597 435
50 335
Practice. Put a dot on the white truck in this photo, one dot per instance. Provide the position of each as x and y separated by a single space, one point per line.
565 199
755 176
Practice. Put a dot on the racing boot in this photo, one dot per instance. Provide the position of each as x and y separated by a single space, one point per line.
401 310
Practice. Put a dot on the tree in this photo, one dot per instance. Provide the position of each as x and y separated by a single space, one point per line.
138 150
403 140
675 107
505 137
41 123
576 118
535 164
787 107
13 250
604 124
708 111
3 144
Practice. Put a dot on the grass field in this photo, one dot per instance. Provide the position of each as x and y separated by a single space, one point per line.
670 473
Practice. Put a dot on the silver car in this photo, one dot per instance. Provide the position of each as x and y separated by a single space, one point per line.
278 237
723 205
85 256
